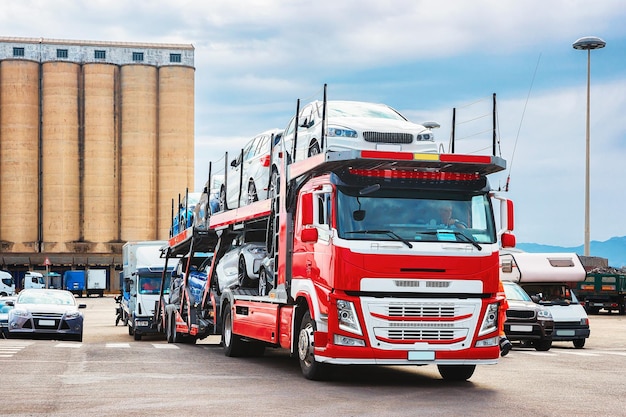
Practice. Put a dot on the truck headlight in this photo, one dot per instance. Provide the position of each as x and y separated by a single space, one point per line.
490 321
348 319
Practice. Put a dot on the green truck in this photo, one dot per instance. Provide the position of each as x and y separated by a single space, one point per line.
602 290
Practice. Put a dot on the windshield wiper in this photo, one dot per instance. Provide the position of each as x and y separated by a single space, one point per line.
383 232
462 235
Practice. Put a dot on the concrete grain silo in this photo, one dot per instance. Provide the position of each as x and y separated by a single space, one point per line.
176 133
19 155
60 163
139 152
96 138
101 151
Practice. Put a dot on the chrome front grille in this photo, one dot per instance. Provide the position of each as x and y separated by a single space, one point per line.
420 310
420 334
384 137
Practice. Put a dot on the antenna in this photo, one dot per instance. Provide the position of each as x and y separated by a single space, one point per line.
508 178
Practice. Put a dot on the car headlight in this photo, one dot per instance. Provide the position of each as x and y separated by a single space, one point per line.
544 315
425 137
490 321
348 319
256 251
341 132
20 313
72 314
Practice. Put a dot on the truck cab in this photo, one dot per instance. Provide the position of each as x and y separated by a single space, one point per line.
34 280
7 284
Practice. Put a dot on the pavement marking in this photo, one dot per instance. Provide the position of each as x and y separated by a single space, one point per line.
8 348
534 353
68 345
579 353
611 352
165 346
118 345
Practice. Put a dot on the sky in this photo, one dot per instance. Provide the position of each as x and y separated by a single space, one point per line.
254 59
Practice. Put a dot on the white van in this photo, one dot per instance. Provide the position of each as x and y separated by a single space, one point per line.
34 280
547 277
7 284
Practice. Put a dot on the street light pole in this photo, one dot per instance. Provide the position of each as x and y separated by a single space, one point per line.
588 43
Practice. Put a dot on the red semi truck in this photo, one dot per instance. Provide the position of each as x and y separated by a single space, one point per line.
373 257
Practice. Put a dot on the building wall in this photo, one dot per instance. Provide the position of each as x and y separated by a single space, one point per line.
94 145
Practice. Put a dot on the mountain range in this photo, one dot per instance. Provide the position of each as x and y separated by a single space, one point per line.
613 249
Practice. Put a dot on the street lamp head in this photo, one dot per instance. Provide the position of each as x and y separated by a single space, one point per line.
589 42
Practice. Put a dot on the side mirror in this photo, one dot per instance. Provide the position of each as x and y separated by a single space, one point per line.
508 240
309 235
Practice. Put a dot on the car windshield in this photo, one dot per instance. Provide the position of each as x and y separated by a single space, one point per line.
414 216
361 109
515 292
46 297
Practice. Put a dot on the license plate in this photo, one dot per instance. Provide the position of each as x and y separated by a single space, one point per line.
521 328
565 332
46 322
598 304
422 356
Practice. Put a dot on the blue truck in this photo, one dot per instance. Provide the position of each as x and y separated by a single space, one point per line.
74 281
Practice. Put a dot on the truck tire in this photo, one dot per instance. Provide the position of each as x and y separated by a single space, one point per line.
579 343
456 372
169 331
232 343
311 369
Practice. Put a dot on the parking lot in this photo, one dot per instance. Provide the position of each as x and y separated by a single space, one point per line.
111 374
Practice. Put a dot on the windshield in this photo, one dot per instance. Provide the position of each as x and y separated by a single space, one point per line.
360 109
151 284
551 293
414 216
515 292
46 297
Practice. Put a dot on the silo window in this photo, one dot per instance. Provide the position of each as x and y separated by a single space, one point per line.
175 58
137 56
18 51
61 53
100 54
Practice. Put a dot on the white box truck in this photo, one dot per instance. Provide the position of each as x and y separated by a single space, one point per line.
96 281
34 280
143 268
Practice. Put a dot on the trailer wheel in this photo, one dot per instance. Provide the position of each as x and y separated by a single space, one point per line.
456 372
311 369
233 345
579 343
169 336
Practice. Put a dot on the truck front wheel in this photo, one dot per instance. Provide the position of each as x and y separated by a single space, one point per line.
233 345
311 369
456 372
